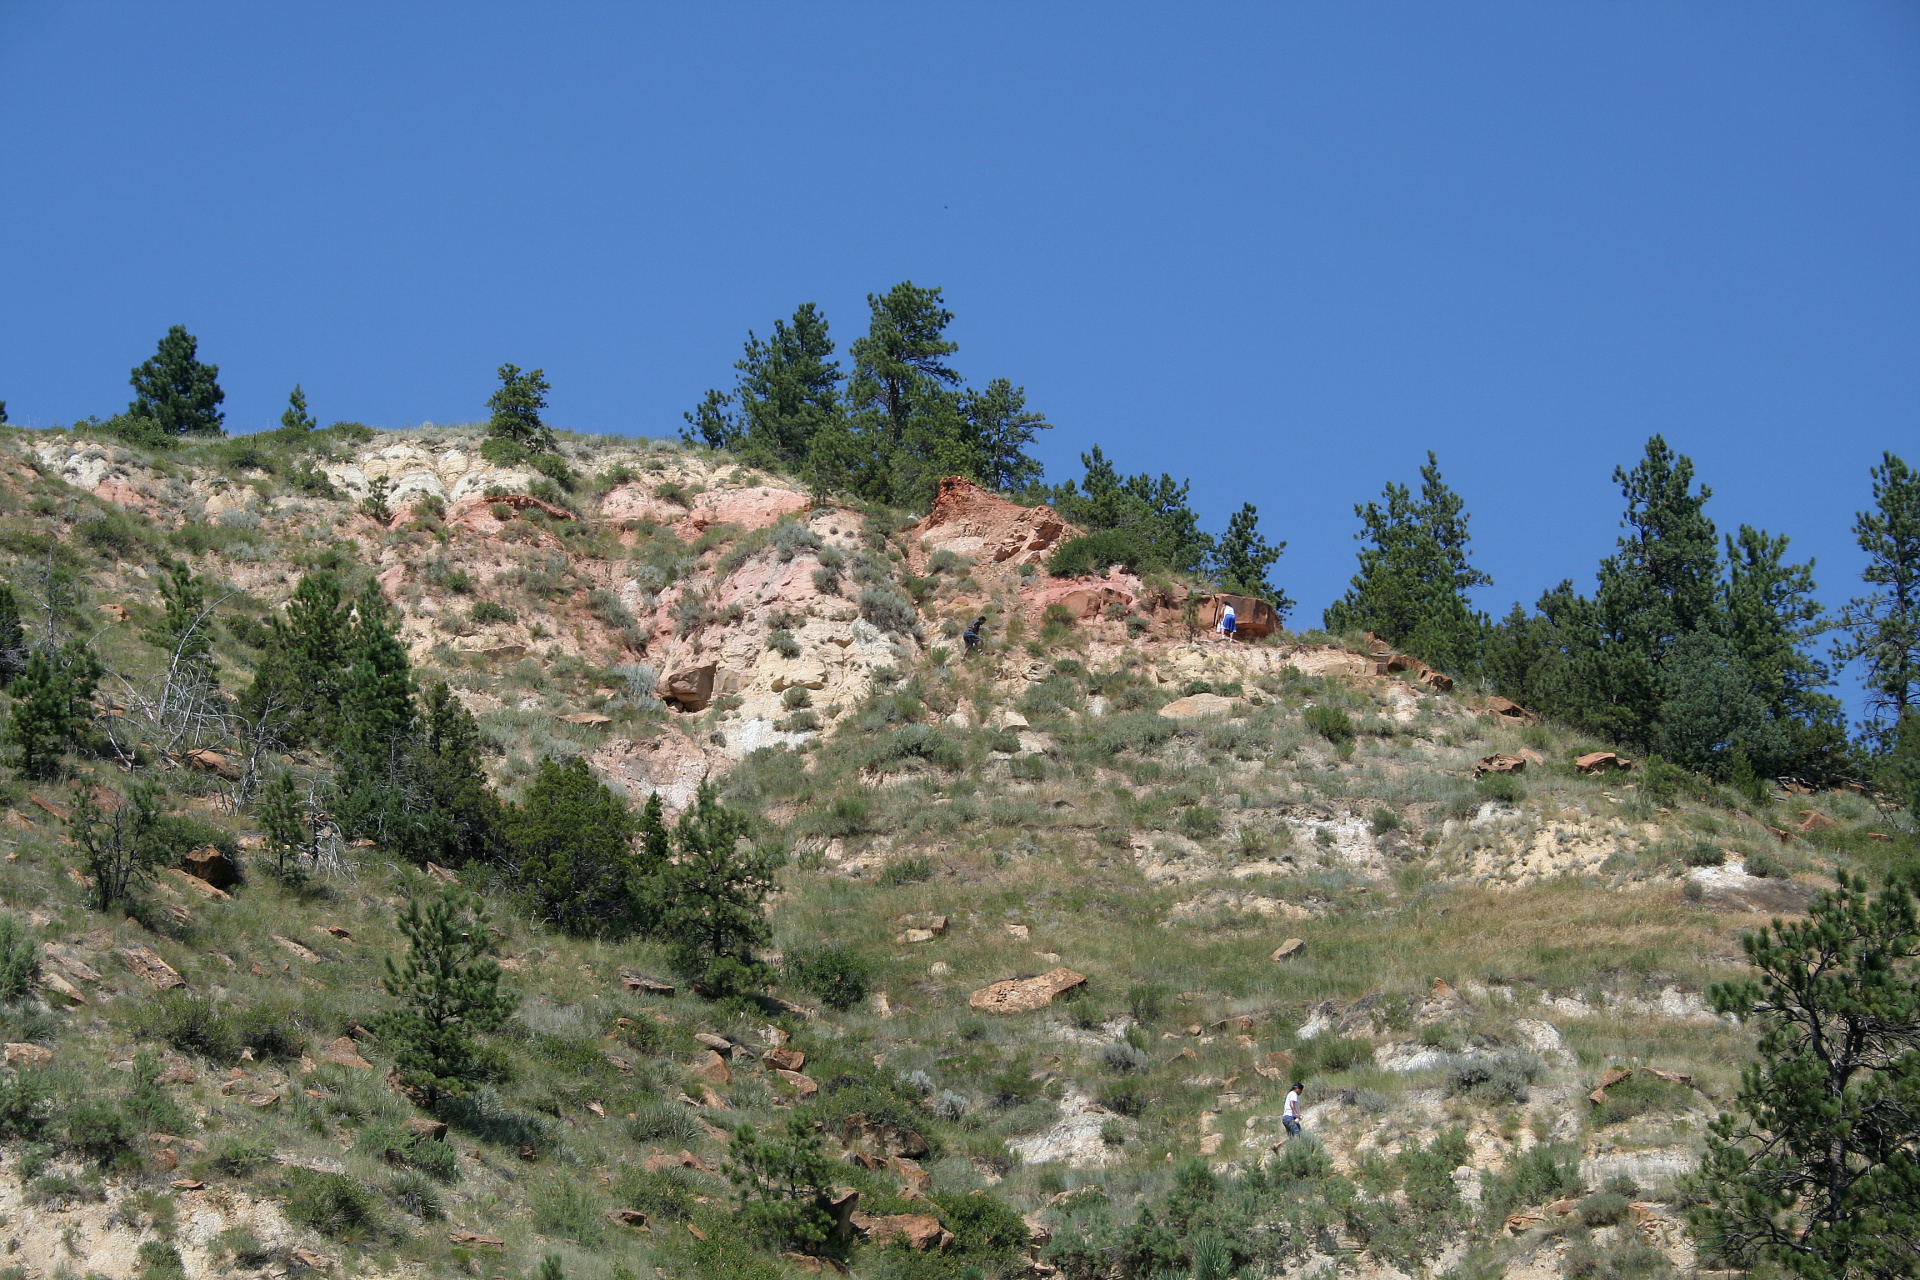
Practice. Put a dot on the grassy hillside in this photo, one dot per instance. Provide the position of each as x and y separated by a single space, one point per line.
1098 790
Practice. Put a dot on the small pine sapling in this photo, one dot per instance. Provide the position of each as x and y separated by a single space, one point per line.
448 992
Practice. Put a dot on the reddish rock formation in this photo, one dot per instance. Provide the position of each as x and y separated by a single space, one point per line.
986 528
1253 617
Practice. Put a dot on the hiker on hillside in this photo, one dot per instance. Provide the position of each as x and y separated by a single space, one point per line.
1290 1114
971 636
1229 624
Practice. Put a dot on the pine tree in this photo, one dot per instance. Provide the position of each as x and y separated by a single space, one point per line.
1002 428
572 858
1413 579
49 709
175 392
296 691
13 638
457 819
1243 557
1884 627
296 420
284 820
1159 529
448 991
516 428
1662 584
905 411
1814 1167
706 907
118 841
372 739
1771 616
789 388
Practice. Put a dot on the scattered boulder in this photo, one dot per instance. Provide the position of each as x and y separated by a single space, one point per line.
195 884
1814 820
342 1053
881 1140
421 1129
213 764
1289 950
806 1086
641 984
1501 763
1199 705
918 1231
209 864
157 973
475 1239
1511 712
53 982
1024 995
628 1218
28 1055
299 952
712 1068
690 688
1601 762
586 718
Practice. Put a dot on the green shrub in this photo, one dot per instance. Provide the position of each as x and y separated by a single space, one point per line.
663 1193
1704 854
1133 731
96 1130
485 611
1767 867
112 533
844 815
191 1024
331 1203
1503 787
1383 821
159 1260
783 643
1638 1095
1331 723
1095 553
237 1156
1330 1054
1199 822
25 1104
1496 1078
1603 1209
888 610
19 959
836 974
1539 1174
1301 1157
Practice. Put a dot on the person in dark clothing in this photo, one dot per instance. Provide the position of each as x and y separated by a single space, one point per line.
972 634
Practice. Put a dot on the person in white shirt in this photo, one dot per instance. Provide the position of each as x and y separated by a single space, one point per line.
1229 624
1290 1116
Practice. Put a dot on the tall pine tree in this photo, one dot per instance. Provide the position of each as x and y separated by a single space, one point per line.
1242 558
1883 627
1414 574
174 394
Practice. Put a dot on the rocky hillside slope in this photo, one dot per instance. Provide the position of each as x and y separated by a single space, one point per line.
1109 885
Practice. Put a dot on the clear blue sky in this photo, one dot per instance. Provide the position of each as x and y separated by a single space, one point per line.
1281 249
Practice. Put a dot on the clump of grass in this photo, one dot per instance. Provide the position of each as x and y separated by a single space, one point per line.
664 1122
1641 1094
332 1204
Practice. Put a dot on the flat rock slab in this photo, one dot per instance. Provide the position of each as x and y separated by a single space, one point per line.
157 973
1199 705
1024 995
